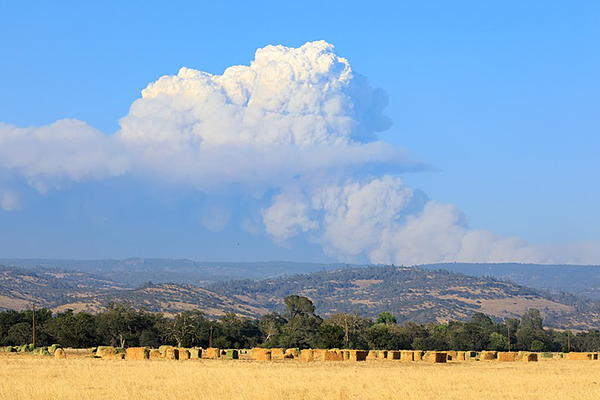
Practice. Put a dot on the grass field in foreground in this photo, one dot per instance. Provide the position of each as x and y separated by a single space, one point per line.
47 378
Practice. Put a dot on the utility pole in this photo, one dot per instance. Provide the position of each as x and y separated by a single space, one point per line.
210 338
508 330
568 341
33 322
346 324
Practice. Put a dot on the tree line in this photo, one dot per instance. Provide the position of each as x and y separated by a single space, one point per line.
298 326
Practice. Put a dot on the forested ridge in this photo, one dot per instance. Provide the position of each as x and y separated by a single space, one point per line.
412 294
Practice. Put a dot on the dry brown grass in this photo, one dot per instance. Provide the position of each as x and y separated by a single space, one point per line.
86 378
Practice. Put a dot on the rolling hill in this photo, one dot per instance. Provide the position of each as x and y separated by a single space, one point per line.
580 280
411 293
416 294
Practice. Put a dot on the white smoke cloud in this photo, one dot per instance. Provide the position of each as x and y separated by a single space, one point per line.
383 219
296 131
60 153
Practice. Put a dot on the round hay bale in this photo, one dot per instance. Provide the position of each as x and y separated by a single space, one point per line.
59 353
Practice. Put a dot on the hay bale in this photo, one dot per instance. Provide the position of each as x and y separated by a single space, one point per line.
137 353
104 351
451 355
578 356
184 354
260 354
382 354
437 357
41 351
331 355
488 355
213 352
372 355
406 355
277 354
357 355
507 356
195 353
232 354
346 355
418 355
460 356
393 355
319 354
307 355
155 355
529 357
163 349
292 353
172 353
59 353
53 348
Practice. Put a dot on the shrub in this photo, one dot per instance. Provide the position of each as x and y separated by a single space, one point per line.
538 346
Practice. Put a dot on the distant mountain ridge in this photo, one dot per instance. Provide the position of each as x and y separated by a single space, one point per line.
575 279
421 294
411 293
416 294
136 271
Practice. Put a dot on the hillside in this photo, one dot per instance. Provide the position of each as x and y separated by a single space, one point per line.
52 288
582 280
60 289
411 293
171 299
416 294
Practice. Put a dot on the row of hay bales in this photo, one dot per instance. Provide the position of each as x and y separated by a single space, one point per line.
55 350
308 355
262 354
164 353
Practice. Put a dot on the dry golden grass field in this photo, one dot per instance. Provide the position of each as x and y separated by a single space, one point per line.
31 377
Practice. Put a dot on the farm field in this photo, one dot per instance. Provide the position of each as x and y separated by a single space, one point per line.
31 377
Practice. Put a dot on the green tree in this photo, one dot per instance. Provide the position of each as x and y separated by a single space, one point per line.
117 324
302 327
386 318
73 330
498 342
357 325
530 329
331 336
271 326
19 334
537 345
186 328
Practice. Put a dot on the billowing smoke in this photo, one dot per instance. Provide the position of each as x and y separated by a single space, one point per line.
295 132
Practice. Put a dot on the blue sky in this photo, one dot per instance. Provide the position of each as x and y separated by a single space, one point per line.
500 100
